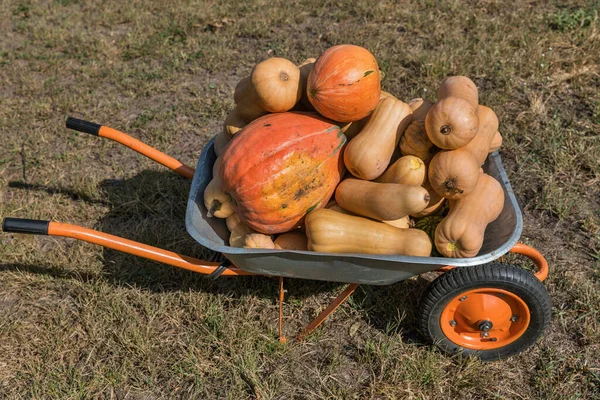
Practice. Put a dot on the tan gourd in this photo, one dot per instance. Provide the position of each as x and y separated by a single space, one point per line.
368 154
331 232
216 165
305 67
332 205
435 202
258 241
247 102
461 233
232 222
496 142
408 170
238 235
451 123
454 174
459 86
233 123
380 201
277 84
220 143
216 201
419 107
403 222
415 142
292 241
385 94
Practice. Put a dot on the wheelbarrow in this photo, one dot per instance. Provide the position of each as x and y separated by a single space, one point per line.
476 306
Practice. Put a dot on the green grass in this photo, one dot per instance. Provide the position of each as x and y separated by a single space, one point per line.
79 321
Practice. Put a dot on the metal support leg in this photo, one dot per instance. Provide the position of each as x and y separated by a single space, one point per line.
282 339
328 311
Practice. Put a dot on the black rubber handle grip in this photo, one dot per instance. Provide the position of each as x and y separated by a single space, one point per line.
22 225
83 126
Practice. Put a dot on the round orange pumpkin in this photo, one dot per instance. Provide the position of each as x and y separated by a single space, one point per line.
280 167
344 84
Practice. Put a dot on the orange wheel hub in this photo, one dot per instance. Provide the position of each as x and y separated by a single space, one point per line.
485 319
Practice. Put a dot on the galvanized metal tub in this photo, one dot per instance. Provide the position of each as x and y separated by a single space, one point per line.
500 236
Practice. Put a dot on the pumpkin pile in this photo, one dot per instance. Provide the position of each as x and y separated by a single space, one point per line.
317 157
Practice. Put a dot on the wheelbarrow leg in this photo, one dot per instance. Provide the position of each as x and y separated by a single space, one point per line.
328 311
282 339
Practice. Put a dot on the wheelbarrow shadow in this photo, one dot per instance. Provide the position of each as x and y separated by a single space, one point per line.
150 208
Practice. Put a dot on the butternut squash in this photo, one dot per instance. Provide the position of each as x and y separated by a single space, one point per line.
305 67
258 241
238 235
277 84
292 241
496 142
216 166
232 222
403 222
216 201
451 123
459 86
233 123
435 202
380 201
331 232
368 154
461 233
385 94
408 170
332 205
454 174
220 143
419 107
415 142
247 101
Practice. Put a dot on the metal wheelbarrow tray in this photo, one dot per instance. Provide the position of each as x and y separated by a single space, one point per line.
500 236
476 306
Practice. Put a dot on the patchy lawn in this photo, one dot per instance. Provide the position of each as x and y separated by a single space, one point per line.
78 321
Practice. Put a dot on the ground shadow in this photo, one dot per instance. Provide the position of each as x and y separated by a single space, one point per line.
150 208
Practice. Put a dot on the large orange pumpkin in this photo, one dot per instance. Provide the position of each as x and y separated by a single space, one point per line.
280 167
344 84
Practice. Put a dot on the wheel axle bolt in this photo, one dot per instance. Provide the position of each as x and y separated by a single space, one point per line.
485 326
485 334
514 318
453 323
462 298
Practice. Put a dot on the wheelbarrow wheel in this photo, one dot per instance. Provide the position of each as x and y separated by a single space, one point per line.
490 311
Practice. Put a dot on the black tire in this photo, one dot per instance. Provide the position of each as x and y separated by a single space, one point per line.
496 275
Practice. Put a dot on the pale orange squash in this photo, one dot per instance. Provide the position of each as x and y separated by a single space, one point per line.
459 86
369 153
419 107
258 241
461 232
454 174
305 67
277 84
496 142
380 201
415 142
451 123
292 241
247 101
331 232
233 123
408 170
